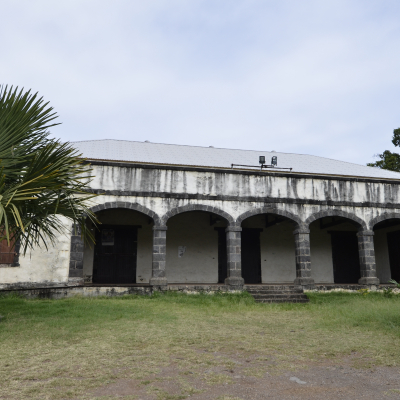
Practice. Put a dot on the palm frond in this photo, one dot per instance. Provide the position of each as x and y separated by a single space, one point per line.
41 179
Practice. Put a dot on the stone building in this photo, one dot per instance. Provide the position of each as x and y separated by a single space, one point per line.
175 214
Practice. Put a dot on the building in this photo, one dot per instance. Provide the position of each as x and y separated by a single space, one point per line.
175 214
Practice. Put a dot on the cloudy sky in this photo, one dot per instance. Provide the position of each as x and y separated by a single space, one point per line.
315 77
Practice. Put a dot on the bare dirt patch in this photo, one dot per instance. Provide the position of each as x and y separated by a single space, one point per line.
260 379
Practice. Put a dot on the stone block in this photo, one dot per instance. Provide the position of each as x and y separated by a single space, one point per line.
236 282
77 256
159 241
158 273
158 265
368 281
76 273
304 281
234 257
159 282
158 257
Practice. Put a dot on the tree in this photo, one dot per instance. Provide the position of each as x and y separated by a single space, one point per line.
389 160
41 179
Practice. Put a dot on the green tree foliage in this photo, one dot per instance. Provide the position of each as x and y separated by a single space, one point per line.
389 160
41 179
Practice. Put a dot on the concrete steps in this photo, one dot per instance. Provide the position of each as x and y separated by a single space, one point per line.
277 293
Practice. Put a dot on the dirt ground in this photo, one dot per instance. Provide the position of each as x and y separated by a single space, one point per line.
330 379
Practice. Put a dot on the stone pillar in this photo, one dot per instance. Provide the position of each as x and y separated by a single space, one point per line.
159 257
234 257
76 257
303 257
366 253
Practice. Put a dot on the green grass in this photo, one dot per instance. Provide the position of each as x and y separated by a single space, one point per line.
63 349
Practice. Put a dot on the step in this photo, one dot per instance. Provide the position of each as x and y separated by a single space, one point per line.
277 293
280 296
254 292
272 287
283 301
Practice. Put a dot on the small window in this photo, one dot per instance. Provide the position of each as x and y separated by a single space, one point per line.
8 254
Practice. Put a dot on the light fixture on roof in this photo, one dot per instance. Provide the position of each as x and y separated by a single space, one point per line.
261 160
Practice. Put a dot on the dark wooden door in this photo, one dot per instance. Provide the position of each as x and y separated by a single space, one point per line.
393 240
115 254
251 255
346 262
222 256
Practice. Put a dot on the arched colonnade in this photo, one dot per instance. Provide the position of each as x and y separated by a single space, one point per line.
233 231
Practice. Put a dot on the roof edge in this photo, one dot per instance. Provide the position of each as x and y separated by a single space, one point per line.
201 168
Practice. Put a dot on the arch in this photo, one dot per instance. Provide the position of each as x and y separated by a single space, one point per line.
336 213
197 207
130 206
269 210
383 217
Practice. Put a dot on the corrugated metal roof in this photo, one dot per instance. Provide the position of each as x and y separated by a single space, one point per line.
171 154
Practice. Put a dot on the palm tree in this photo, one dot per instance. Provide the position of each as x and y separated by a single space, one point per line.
41 179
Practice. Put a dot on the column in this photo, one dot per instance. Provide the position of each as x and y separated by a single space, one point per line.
159 257
75 276
366 253
303 257
234 257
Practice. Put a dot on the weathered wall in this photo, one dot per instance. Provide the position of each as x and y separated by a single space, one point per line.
228 184
199 263
41 266
159 190
234 192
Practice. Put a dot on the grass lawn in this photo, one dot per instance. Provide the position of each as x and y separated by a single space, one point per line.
67 349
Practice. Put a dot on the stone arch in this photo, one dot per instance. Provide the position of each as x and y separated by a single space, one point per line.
336 213
383 217
130 206
197 207
77 246
269 210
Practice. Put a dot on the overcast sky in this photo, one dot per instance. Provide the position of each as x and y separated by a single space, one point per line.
314 77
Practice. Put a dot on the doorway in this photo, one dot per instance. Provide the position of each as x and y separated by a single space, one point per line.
251 255
115 254
393 241
345 257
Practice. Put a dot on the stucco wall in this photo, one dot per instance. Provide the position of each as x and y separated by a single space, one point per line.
234 184
41 265
321 250
199 263
382 253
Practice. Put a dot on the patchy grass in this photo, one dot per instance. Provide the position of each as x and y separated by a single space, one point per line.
64 349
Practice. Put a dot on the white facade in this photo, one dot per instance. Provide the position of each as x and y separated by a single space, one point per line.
182 198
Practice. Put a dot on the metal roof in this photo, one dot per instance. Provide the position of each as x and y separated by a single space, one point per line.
172 154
